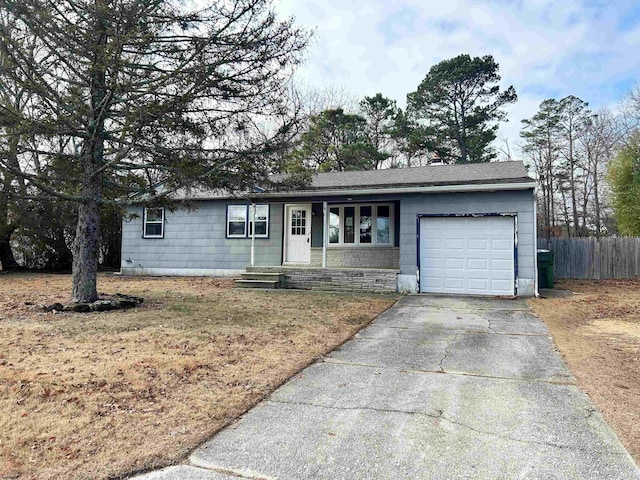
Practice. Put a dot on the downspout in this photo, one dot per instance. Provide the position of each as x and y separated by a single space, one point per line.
325 234
253 233
536 292
515 259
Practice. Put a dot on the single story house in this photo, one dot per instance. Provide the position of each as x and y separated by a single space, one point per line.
452 229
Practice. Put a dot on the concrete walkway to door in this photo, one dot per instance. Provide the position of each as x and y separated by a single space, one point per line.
434 388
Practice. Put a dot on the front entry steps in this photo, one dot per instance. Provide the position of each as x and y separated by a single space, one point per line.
260 280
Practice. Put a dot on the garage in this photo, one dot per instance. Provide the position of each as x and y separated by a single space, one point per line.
469 255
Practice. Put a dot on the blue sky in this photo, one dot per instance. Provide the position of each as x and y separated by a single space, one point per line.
587 48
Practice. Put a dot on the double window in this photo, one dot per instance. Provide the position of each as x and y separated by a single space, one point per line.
241 221
361 224
153 222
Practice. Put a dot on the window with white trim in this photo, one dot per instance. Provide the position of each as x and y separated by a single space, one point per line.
366 224
153 222
261 221
236 221
241 221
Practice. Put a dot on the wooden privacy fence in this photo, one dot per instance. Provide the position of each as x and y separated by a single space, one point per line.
611 257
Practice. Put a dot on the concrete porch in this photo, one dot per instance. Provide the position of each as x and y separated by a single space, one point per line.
368 280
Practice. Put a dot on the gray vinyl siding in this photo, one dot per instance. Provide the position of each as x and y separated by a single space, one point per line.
518 201
196 239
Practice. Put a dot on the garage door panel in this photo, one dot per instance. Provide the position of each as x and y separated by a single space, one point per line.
455 283
454 243
504 228
478 284
433 263
477 244
501 285
478 264
432 271
467 255
501 265
454 263
435 243
498 244
433 234
431 281
431 252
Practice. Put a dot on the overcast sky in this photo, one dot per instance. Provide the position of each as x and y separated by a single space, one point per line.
587 48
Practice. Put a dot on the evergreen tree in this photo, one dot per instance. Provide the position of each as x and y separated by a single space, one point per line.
460 105
132 94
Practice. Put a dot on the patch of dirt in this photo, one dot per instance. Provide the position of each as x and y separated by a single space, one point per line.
615 328
598 332
79 389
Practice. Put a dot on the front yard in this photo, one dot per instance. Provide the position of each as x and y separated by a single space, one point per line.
103 395
598 333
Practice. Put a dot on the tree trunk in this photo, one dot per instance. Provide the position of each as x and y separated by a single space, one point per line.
461 135
567 218
550 190
86 248
597 202
550 206
86 244
572 179
545 210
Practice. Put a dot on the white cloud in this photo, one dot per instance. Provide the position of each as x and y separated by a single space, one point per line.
545 48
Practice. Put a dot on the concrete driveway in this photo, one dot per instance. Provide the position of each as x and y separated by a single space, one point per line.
435 388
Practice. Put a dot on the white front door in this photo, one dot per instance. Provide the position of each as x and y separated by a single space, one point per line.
298 236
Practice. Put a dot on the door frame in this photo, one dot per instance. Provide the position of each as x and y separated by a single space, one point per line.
514 215
287 230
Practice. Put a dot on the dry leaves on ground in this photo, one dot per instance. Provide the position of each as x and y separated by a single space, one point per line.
106 394
598 333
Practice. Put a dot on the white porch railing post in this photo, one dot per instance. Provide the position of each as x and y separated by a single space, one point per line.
253 233
325 234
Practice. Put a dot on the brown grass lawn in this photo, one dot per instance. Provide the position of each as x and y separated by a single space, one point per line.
103 395
598 333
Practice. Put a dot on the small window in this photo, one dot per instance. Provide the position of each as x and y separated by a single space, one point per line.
366 224
349 224
240 221
153 222
261 221
237 221
334 225
298 222
383 225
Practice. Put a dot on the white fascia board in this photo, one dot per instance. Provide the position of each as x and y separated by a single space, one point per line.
486 187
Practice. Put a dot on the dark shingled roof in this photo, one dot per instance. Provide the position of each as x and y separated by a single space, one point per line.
432 175
474 173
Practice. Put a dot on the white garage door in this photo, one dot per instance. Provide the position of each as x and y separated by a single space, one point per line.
467 255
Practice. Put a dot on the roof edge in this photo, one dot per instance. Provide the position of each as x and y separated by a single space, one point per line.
335 192
479 187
